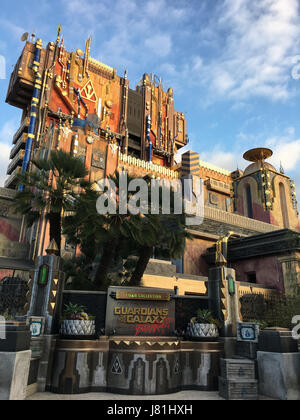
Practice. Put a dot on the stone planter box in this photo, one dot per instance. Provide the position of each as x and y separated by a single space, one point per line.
277 340
77 328
14 336
238 389
197 331
279 375
235 369
15 358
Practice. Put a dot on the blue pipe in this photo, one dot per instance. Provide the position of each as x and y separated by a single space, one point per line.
80 100
68 70
148 130
34 105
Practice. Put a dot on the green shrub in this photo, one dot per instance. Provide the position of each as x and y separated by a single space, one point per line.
204 316
7 316
277 311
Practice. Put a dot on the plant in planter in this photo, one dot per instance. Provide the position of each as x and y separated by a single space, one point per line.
203 325
7 317
76 322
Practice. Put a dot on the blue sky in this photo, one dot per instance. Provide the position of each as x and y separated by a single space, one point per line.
231 64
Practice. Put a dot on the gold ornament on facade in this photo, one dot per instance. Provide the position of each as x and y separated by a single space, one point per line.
88 92
109 104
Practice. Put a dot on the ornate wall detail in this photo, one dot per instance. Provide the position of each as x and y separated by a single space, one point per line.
116 368
114 148
4 210
293 194
98 160
88 92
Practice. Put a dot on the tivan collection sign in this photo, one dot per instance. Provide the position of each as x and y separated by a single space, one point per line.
139 312
130 295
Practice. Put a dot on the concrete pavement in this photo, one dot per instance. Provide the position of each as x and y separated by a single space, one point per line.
103 396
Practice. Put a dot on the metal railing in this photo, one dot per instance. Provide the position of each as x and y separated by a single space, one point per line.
237 220
13 295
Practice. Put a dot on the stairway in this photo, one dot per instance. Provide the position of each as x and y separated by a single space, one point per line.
237 380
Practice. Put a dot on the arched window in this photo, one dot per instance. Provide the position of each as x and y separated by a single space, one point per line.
284 210
249 207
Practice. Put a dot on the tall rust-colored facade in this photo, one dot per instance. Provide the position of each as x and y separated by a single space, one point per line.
72 102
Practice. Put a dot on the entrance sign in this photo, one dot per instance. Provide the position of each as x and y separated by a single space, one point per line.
140 312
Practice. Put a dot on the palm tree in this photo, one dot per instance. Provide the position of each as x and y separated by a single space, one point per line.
49 188
170 232
104 231
165 230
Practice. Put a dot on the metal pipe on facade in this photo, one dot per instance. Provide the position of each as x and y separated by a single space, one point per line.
34 105
81 101
41 122
148 130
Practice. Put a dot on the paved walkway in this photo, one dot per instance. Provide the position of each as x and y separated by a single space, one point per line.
183 396
104 396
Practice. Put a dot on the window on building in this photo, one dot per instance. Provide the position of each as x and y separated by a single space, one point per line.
213 200
249 202
251 277
228 204
284 210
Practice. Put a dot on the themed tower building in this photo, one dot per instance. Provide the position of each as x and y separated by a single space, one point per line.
75 103
265 194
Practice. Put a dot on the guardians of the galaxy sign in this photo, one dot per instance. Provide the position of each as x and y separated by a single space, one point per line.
140 312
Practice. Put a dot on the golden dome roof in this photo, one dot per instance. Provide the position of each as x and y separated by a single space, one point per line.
254 167
258 156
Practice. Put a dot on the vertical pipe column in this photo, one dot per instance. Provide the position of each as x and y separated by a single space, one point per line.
34 104
148 129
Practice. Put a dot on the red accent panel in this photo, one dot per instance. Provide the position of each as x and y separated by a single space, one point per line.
9 231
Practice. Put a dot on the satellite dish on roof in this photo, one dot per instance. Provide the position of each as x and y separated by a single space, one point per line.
24 37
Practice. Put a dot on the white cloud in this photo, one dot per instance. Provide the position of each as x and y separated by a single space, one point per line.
8 130
6 135
252 48
222 158
159 44
15 30
285 151
4 159
261 37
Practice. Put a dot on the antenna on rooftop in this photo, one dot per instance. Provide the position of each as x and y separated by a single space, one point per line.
281 170
33 36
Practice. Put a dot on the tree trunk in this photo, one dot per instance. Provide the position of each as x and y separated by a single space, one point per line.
55 228
105 263
145 255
